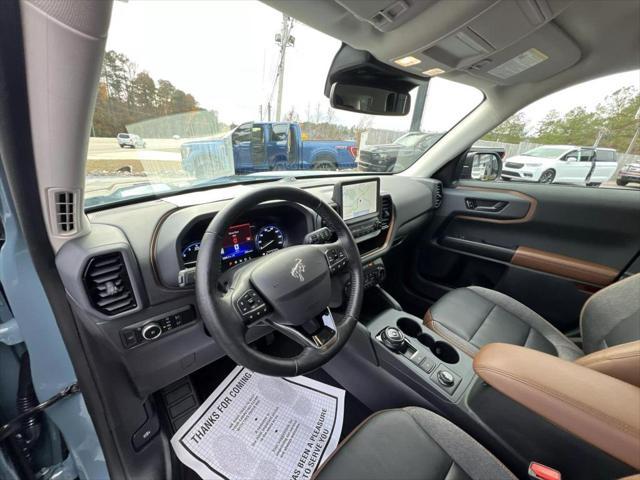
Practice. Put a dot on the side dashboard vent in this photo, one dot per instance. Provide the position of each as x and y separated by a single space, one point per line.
64 212
438 195
386 211
108 285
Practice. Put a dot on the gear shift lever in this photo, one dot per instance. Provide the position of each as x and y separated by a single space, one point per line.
393 339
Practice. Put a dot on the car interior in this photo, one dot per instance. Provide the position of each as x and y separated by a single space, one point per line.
479 330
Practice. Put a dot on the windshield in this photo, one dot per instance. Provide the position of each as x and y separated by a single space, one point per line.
410 139
214 104
546 152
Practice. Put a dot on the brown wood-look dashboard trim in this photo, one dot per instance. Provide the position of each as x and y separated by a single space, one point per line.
533 206
373 254
563 266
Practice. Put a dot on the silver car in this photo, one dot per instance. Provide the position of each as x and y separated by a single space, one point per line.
130 140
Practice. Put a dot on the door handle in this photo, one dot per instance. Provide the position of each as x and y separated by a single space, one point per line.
482 205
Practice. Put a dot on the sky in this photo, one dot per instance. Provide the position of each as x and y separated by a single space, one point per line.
225 55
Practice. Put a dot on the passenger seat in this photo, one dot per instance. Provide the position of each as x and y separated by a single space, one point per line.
472 317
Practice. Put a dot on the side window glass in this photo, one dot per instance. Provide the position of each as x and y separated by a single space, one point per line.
242 134
587 135
572 156
257 134
280 132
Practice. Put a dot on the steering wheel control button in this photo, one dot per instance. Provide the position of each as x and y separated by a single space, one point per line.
393 339
251 306
322 235
151 331
337 259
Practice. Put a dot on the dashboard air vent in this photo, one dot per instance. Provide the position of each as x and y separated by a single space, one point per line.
438 196
108 285
65 214
386 211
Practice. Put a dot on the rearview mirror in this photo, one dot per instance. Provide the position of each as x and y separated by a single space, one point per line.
485 167
369 100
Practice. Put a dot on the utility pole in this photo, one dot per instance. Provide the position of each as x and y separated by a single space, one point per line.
632 144
284 39
602 131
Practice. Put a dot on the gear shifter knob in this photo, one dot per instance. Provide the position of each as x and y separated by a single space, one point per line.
393 339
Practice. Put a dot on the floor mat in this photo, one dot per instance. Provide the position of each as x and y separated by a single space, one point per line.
355 412
255 426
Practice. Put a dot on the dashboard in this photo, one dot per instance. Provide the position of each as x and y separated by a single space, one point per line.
152 328
142 325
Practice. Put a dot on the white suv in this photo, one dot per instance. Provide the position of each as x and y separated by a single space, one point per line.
562 164
130 140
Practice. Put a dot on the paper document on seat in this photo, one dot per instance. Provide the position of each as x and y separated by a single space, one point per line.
258 427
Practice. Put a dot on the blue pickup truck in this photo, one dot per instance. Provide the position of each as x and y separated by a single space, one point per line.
266 146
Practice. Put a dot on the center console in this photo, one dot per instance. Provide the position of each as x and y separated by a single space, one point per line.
521 404
407 348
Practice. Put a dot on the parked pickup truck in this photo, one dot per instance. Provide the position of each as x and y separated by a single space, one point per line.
265 146
402 152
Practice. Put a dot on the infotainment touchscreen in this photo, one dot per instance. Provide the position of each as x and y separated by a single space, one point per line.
358 199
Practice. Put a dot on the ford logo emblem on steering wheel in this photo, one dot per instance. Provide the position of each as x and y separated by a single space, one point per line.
298 270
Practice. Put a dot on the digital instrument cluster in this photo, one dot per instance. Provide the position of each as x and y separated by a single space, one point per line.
241 243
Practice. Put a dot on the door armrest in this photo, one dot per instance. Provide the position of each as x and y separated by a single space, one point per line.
599 409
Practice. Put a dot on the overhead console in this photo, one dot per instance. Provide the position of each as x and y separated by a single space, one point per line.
526 45
452 36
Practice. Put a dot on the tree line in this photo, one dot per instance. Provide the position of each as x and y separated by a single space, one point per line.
611 124
126 96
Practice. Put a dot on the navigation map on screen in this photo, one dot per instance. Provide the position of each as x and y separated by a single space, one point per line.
359 199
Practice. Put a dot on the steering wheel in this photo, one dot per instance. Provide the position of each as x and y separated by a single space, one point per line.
288 290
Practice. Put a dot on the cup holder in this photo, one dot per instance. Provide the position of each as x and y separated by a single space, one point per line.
441 350
409 327
427 340
445 352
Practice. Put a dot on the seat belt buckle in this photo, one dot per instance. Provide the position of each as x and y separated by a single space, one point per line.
537 471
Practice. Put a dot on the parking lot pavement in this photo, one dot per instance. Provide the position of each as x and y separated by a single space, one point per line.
158 157
98 145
